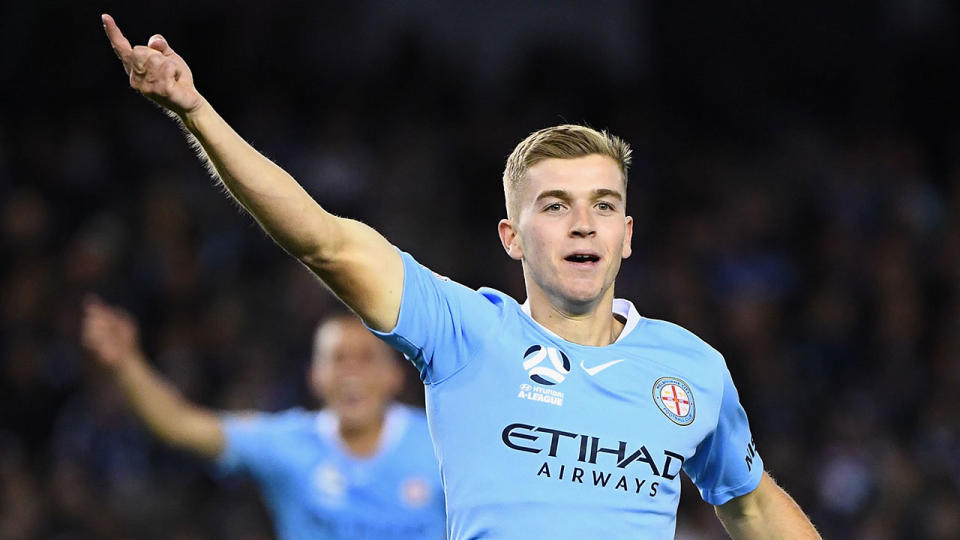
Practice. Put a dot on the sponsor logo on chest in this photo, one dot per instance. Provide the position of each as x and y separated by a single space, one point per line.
585 459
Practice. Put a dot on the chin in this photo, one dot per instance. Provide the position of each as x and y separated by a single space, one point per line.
582 296
585 290
572 290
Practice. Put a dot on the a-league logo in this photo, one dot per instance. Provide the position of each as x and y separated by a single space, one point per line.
554 373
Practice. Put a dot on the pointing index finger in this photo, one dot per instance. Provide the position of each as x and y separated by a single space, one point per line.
119 43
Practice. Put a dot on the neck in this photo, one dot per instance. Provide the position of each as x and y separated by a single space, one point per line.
595 325
363 440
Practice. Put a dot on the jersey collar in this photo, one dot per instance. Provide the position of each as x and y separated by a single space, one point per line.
395 422
624 308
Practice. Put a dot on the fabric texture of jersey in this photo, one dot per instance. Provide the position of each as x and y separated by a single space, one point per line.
541 437
315 489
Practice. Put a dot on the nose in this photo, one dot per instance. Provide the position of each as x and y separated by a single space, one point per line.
583 225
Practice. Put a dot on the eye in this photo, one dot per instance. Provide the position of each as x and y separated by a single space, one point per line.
604 206
554 207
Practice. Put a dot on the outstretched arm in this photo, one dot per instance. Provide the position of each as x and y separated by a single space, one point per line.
356 262
110 337
767 512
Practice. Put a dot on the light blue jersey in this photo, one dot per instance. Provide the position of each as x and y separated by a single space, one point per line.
539 437
315 489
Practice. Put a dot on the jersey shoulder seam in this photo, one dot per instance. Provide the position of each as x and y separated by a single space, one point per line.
470 358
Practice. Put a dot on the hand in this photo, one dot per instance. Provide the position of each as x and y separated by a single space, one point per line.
109 334
155 70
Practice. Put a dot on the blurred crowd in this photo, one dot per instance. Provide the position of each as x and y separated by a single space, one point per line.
796 190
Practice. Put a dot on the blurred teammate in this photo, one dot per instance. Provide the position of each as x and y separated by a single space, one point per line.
362 468
570 416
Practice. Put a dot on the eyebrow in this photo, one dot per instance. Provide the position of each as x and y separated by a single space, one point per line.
598 193
565 195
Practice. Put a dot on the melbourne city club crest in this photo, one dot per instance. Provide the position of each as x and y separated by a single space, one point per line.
675 400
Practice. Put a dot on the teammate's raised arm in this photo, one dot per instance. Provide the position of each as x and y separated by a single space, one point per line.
356 262
109 336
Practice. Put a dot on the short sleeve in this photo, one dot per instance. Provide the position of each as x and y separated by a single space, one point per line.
726 464
441 321
251 443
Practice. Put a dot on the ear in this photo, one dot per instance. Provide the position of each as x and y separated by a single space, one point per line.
397 377
510 239
627 239
316 377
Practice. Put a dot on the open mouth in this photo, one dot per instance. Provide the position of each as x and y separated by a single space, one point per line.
582 258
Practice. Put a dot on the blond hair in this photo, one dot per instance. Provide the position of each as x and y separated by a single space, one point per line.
566 141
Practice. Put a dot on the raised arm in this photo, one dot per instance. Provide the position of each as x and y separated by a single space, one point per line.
357 263
110 338
766 513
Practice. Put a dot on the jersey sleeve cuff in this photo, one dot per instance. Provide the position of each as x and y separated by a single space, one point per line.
228 462
398 336
723 496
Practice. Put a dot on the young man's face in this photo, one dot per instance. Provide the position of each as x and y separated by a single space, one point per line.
355 373
570 229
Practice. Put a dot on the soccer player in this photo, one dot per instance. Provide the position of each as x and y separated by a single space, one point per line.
361 468
567 416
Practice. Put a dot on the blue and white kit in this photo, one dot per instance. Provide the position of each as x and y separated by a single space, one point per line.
540 437
314 488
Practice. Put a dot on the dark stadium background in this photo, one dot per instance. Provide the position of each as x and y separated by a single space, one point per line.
796 189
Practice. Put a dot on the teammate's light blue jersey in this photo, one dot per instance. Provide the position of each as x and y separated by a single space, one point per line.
539 437
315 489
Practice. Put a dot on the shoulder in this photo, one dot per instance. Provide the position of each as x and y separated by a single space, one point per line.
288 420
413 419
501 300
407 428
413 414
419 275
679 339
